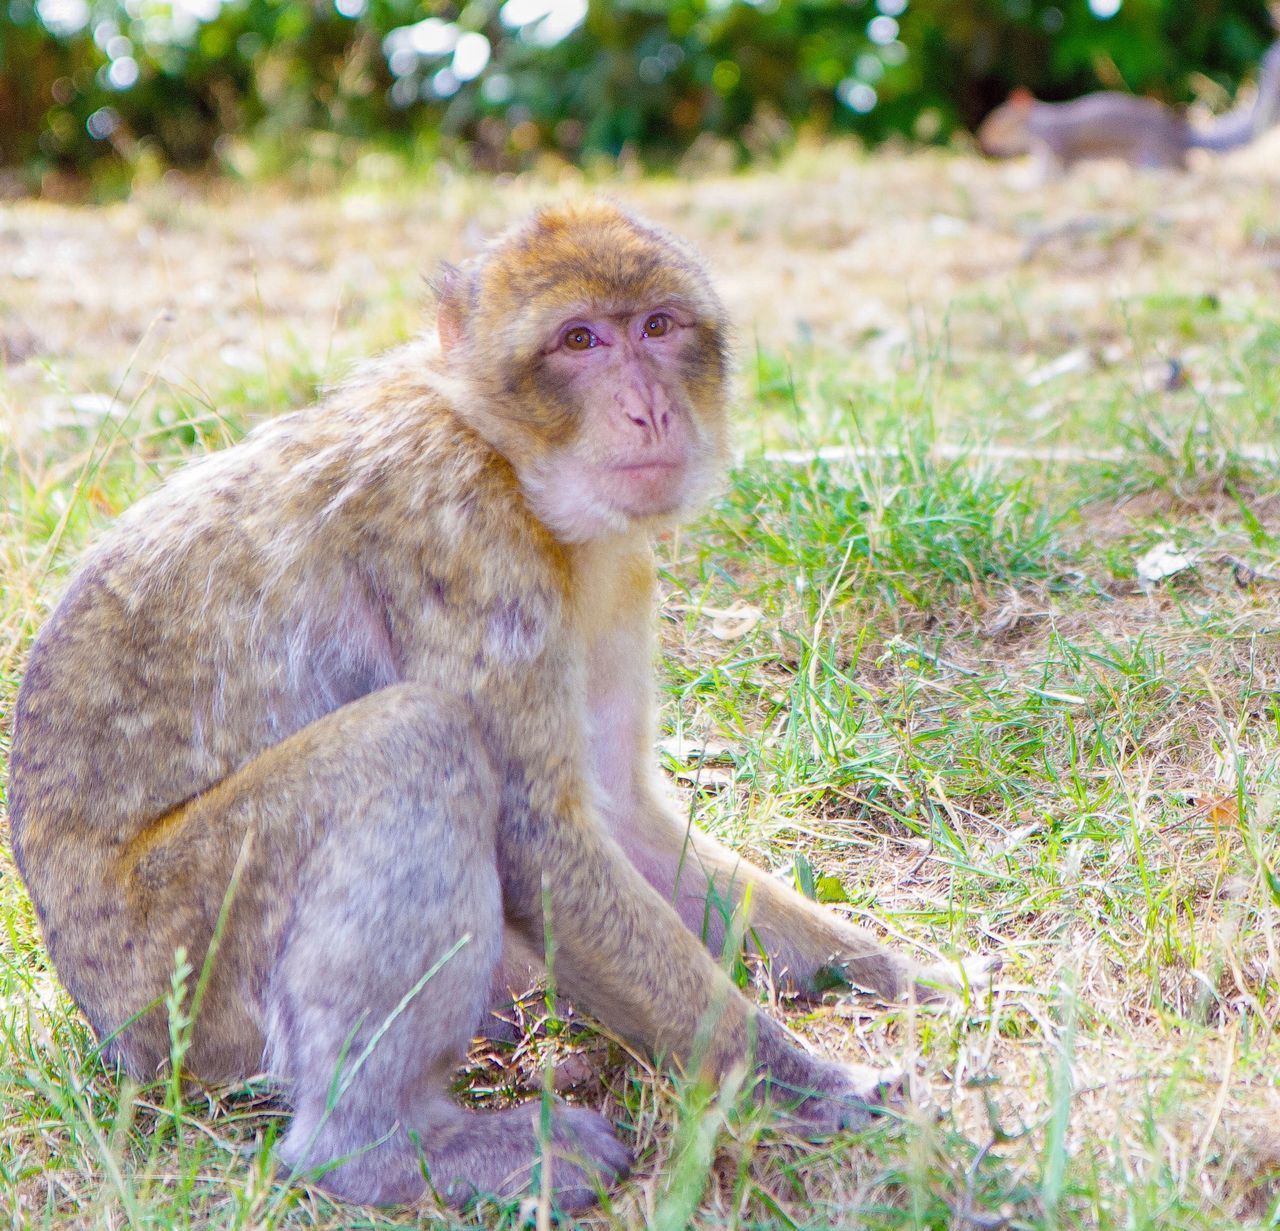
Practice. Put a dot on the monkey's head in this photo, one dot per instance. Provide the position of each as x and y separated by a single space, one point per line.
590 350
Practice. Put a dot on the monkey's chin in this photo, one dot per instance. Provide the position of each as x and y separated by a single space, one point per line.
578 503
570 506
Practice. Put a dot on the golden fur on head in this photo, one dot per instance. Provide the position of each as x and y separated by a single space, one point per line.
592 254
569 259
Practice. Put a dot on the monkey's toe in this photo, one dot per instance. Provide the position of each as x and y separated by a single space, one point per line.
588 1158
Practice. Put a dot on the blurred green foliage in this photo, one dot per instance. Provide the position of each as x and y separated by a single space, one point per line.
107 86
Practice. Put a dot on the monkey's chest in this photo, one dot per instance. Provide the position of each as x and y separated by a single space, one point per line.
617 707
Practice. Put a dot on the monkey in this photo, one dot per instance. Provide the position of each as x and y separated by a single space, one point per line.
1144 132
356 714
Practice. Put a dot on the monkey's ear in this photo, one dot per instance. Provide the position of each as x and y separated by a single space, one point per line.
448 285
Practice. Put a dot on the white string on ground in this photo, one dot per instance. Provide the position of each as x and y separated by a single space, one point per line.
950 451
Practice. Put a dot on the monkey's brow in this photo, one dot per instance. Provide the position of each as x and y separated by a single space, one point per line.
620 308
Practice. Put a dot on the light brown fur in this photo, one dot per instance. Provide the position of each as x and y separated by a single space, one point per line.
390 658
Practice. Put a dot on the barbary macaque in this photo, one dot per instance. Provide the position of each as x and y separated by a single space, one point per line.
349 711
1143 132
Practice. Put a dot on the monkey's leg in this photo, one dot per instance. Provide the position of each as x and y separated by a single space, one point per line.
385 969
360 945
810 947
520 970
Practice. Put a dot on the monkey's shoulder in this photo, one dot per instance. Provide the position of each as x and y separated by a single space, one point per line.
383 456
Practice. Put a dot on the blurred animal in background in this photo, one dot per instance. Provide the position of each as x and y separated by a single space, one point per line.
1141 131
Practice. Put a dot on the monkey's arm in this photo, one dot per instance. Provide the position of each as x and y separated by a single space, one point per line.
808 946
622 952
616 947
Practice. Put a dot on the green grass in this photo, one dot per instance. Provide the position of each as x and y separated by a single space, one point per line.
923 679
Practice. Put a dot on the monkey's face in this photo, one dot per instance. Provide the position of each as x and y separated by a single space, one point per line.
608 390
631 438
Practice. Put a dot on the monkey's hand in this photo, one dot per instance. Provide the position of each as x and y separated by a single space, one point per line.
946 982
834 1097
898 979
816 1094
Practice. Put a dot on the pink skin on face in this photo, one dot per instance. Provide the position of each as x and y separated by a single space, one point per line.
641 449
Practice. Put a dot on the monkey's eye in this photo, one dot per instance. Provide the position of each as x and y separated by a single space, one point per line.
658 324
580 338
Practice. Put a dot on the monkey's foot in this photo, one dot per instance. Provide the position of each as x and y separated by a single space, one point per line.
836 1097
944 982
459 1156
502 1154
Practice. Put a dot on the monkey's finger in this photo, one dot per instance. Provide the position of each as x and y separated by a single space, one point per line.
844 1097
980 969
944 981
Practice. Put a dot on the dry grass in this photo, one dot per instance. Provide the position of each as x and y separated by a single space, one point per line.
947 690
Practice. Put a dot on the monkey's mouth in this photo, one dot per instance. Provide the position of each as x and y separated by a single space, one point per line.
647 487
644 471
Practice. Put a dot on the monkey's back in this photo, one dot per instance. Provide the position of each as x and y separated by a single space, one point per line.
241 601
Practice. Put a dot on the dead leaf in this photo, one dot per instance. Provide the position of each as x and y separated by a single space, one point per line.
92 406
1005 617
1064 365
1222 809
730 623
708 777
1163 560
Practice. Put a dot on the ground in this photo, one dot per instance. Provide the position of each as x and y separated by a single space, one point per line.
979 645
